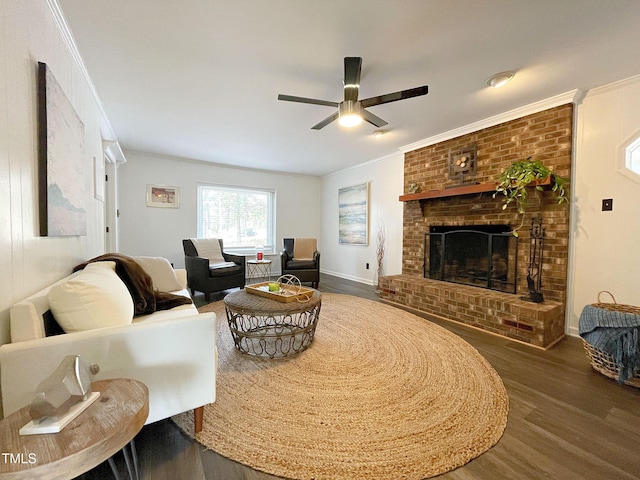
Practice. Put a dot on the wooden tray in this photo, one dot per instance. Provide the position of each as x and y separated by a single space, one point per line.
286 294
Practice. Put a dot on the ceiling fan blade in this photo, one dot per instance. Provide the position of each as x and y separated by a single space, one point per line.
393 97
372 119
352 69
290 98
326 121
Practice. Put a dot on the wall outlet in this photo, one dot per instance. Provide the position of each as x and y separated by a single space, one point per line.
607 204
367 266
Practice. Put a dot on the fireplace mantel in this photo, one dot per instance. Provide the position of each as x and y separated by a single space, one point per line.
461 190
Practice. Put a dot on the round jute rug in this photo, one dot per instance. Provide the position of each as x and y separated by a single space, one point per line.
380 394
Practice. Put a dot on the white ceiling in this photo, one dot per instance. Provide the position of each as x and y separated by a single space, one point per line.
199 79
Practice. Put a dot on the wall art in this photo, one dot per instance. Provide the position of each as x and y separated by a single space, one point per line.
62 188
353 222
163 196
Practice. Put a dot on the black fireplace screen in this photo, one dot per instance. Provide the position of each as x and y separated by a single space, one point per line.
482 256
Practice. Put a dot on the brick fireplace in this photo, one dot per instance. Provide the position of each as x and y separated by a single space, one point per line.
442 202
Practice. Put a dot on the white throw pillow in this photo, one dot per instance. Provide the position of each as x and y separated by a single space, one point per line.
95 298
161 272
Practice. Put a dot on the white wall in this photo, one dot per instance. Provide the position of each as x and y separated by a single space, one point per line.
28 262
605 248
159 231
385 178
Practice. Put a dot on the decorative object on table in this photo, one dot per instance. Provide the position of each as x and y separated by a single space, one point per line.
611 337
380 394
286 289
62 396
163 196
353 218
259 253
462 164
61 179
534 270
513 182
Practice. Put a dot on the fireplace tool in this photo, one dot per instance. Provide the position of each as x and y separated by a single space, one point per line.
534 271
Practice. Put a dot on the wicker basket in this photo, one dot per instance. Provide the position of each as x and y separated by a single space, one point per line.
602 362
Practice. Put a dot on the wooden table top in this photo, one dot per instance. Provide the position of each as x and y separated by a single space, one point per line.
95 435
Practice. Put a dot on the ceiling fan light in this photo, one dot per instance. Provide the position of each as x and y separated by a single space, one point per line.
349 114
500 79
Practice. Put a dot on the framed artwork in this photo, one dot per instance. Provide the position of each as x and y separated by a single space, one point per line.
353 215
163 196
62 195
462 163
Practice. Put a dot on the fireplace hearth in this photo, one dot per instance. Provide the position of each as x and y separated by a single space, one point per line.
478 255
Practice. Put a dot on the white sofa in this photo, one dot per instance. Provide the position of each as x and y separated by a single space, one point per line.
173 352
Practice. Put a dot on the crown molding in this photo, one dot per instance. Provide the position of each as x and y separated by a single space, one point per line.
573 96
106 129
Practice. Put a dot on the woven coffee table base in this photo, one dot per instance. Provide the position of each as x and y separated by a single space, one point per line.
273 336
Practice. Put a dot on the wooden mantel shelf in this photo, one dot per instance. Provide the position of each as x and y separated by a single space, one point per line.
460 190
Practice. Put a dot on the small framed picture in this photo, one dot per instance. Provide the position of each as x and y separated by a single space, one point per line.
163 196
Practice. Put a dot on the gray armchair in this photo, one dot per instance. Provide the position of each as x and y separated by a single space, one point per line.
307 270
206 278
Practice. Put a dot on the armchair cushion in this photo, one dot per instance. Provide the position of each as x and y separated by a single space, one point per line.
222 271
295 264
209 248
304 248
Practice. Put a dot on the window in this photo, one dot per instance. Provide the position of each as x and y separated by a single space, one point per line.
633 156
629 158
243 217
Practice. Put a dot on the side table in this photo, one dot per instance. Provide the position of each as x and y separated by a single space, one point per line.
104 428
259 269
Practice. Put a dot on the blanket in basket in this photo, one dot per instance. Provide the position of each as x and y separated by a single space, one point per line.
614 333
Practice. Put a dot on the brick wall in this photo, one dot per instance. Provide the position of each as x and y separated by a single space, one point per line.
546 136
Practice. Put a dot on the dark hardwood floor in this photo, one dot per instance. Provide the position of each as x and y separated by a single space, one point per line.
565 421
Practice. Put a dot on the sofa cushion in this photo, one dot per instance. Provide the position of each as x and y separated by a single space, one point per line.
161 272
95 298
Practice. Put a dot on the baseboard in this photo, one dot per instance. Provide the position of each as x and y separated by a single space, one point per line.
366 281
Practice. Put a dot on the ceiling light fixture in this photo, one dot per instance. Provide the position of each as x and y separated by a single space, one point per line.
378 133
500 79
349 114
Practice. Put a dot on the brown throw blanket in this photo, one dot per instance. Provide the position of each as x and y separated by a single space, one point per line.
146 300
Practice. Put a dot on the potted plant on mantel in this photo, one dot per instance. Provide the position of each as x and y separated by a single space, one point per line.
514 180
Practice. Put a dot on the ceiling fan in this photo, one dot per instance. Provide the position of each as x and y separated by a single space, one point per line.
351 111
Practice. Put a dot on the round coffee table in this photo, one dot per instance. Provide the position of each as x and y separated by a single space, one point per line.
264 327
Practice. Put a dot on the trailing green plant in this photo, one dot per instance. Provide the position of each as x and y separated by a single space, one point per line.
512 183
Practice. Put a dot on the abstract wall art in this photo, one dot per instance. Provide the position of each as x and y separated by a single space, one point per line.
353 224
62 185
